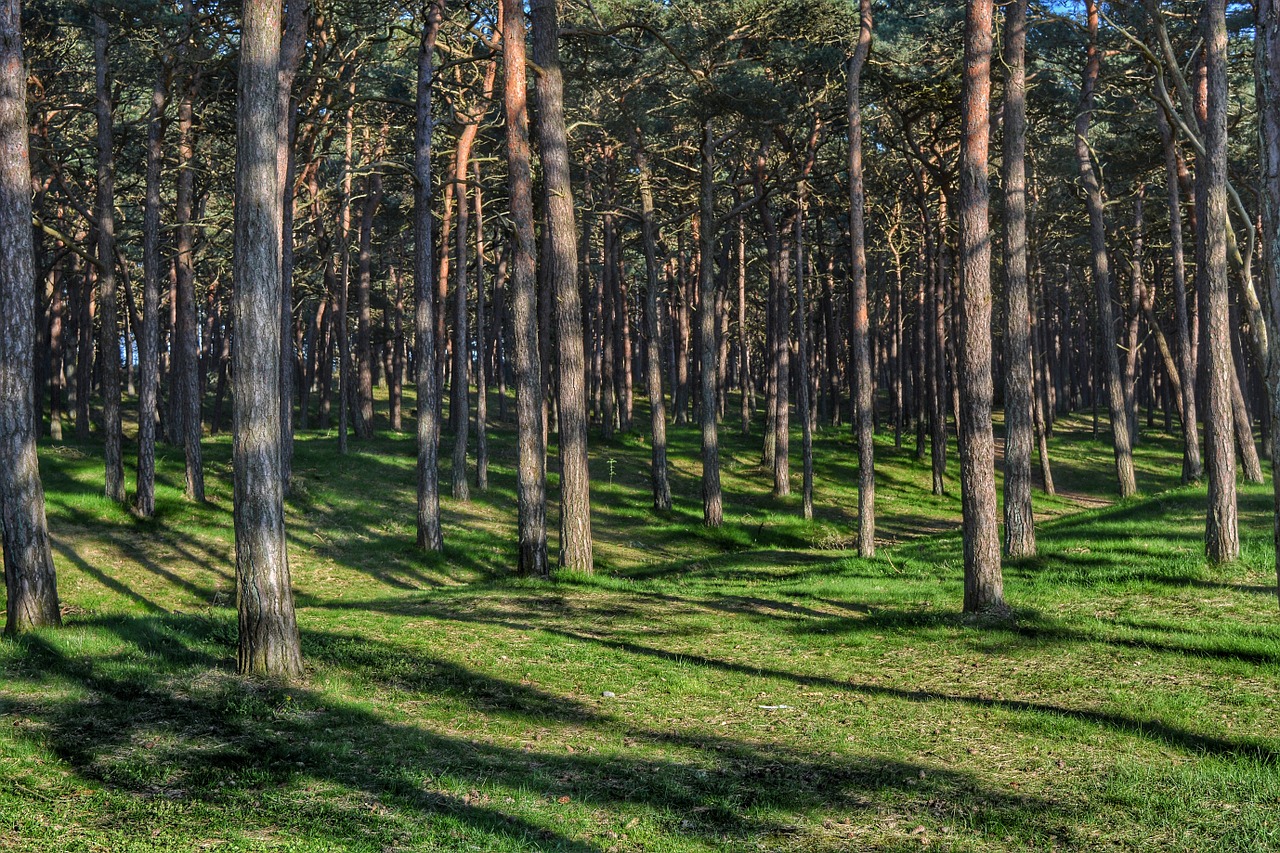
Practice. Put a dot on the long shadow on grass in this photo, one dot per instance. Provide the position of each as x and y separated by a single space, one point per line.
163 724
1153 729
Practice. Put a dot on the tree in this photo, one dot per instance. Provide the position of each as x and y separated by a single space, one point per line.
864 420
30 581
430 537
983 585
269 643
1267 78
1019 524
1222 537
562 262
531 487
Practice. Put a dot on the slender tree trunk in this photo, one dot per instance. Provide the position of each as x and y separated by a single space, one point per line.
983 584
364 288
531 488
430 537
482 348
293 45
1101 264
1267 81
30 581
575 490
1019 523
863 401
269 643
109 324
1222 538
459 380
653 374
149 342
186 384
712 500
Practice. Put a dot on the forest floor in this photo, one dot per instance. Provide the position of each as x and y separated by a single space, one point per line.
756 687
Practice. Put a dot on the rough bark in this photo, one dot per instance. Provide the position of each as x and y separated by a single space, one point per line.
149 340
531 486
1267 80
1121 442
482 346
983 584
30 581
269 643
653 375
108 319
712 500
1019 523
1222 538
562 261
430 537
185 384
863 401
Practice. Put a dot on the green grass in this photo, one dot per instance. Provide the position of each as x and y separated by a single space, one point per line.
1130 704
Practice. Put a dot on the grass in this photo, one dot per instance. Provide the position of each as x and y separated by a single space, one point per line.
756 687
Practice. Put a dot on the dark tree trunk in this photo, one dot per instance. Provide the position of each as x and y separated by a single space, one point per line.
364 286
482 347
459 379
653 373
293 45
30 581
712 500
1110 360
983 585
185 384
863 401
269 642
531 488
1019 523
109 324
430 537
562 267
1267 80
149 341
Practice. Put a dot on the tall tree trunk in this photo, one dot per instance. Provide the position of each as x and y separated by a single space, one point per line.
575 490
185 386
863 401
531 487
1222 538
109 324
482 347
430 537
364 288
30 581
653 374
269 642
149 341
983 584
1121 441
1019 523
293 46
1267 80
712 500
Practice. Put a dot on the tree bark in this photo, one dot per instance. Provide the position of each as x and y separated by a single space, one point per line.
863 401
185 381
30 581
531 488
575 489
108 319
712 500
430 537
1121 441
1222 538
269 643
983 585
653 374
1019 523
1267 81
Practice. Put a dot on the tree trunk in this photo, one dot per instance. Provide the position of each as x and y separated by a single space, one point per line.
293 46
430 537
653 374
1121 442
983 585
149 340
531 488
863 401
269 643
712 500
109 324
30 581
1267 80
185 384
1019 523
482 347
1222 538
575 490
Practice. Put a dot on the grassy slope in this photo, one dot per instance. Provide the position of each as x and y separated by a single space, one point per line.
768 689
